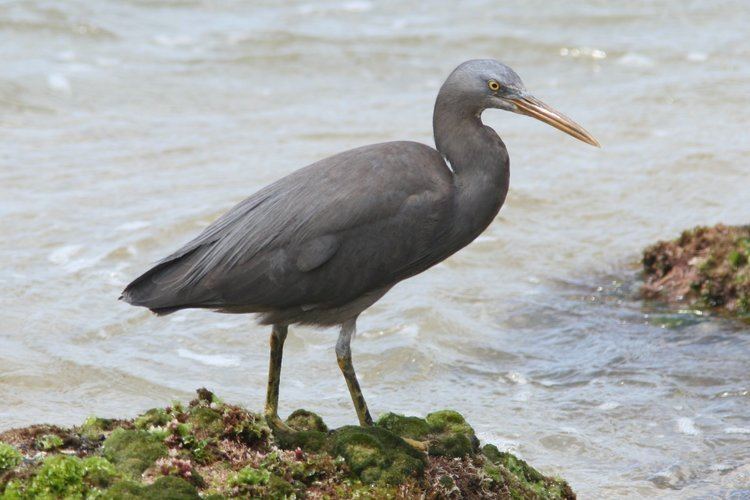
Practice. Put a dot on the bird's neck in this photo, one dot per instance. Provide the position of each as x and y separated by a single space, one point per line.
480 165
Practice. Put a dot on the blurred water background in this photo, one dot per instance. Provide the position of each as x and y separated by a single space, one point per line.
127 126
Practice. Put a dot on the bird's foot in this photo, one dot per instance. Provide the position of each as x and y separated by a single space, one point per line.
419 445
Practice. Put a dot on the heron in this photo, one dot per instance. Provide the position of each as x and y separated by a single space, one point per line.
326 242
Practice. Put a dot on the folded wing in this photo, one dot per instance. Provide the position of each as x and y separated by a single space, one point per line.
326 234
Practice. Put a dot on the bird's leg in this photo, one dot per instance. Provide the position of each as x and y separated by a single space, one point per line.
344 357
278 336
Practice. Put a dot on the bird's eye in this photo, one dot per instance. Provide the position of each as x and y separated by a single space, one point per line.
493 85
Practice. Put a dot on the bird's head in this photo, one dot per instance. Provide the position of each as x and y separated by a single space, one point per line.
487 83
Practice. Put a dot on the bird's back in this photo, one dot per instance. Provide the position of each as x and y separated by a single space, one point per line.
320 237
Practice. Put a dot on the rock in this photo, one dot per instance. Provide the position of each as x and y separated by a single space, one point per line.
155 417
408 427
523 479
133 451
164 488
95 428
706 268
63 476
48 442
303 420
445 432
9 457
210 449
376 455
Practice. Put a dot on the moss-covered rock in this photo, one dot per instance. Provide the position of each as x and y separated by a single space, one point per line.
133 451
525 480
211 449
96 428
10 457
404 426
155 417
444 433
705 268
451 435
48 442
310 433
304 420
375 454
310 441
63 476
164 488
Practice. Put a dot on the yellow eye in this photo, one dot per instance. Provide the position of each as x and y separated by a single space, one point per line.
493 85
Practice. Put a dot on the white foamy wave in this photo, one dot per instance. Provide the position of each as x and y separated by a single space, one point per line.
357 6
59 83
583 52
608 405
63 254
173 40
221 360
634 60
697 57
737 430
133 226
516 378
687 426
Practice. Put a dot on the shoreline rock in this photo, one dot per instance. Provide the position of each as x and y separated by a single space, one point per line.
210 449
706 268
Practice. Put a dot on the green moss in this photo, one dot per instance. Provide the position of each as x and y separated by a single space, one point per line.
133 451
743 304
241 459
253 482
706 268
206 422
164 488
446 482
9 457
250 476
171 488
310 441
707 264
94 428
247 427
452 436
521 479
309 433
155 417
279 488
63 476
409 427
737 259
445 432
48 442
303 420
376 455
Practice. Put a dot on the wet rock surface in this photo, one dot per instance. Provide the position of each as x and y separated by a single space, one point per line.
706 268
210 449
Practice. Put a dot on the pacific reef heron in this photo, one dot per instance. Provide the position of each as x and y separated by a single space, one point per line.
326 242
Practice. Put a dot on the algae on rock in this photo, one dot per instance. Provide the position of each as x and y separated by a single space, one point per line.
211 449
705 268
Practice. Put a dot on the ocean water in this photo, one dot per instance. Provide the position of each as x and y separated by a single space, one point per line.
127 126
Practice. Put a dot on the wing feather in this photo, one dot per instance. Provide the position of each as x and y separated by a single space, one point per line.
374 212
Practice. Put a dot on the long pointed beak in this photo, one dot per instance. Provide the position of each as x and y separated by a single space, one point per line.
531 106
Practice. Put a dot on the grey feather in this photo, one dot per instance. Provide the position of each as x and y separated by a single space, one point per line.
330 238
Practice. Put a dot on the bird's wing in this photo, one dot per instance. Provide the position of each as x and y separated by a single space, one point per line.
329 232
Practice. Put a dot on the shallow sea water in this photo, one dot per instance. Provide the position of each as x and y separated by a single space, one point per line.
127 126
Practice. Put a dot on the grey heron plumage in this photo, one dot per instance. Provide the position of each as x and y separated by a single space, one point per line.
324 243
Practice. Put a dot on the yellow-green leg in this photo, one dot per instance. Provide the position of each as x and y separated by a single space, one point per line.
278 336
344 357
